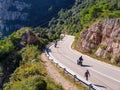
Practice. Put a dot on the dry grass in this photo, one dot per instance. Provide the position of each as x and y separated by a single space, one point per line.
70 78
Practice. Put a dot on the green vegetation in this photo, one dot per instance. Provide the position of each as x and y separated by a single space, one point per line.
94 49
116 60
103 47
108 56
23 63
84 13
31 75
33 13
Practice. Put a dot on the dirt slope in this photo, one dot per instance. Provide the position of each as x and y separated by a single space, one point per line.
53 73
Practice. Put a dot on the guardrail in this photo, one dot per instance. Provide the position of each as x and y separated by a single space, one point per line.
66 69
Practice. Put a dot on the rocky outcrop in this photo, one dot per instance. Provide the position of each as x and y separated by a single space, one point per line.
28 38
102 39
12 15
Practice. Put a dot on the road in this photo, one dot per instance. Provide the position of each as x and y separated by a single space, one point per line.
102 75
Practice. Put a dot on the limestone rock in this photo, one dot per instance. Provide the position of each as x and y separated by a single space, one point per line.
105 33
99 52
28 38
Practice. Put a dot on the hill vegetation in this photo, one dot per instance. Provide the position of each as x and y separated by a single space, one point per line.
21 66
23 63
84 13
19 13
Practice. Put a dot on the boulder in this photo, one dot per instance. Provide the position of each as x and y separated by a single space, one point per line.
28 38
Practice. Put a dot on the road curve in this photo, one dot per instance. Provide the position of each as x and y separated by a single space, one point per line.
104 76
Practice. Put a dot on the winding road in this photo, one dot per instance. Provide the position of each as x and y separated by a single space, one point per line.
102 75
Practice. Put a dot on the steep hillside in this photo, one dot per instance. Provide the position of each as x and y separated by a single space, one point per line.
15 13
84 13
20 62
102 39
97 21
105 13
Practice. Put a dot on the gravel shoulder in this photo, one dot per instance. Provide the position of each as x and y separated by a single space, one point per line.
54 73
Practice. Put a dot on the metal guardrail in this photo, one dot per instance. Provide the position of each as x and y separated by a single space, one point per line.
66 69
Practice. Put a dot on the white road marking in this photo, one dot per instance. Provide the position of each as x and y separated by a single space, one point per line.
99 62
105 75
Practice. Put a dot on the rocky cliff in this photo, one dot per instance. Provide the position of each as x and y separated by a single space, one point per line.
15 14
12 15
102 39
28 38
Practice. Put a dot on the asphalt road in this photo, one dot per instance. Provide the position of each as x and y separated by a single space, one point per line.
102 75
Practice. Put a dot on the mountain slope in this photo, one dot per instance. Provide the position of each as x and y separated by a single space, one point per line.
86 13
20 62
102 39
16 14
92 17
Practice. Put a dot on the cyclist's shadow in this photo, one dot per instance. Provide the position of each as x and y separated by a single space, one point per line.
86 65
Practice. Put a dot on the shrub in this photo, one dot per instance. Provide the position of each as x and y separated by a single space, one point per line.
108 56
28 70
103 47
36 83
29 53
32 83
116 60
52 86
31 73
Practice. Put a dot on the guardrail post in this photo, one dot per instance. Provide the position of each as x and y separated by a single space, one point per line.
75 77
64 70
67 71
90 87
57 64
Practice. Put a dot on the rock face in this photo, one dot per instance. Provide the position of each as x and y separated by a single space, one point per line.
28 38
12 15
102 39
15 14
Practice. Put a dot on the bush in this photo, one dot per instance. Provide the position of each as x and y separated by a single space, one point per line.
103 47
108 56
52 86
116 60
29 53
28 70
31 73
32 83
36 83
